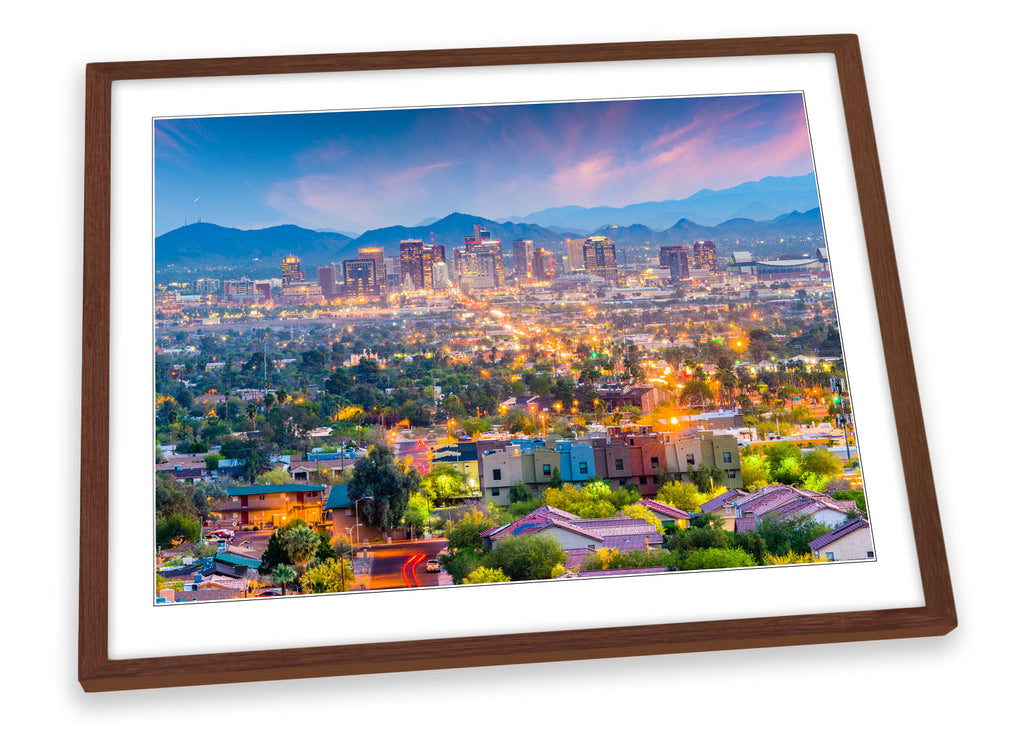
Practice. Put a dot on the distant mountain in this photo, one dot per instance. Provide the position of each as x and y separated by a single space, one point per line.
761 200
209 245
259 252
452 229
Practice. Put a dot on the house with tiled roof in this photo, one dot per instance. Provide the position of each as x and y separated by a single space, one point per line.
849 541
723 506
579 537
667 513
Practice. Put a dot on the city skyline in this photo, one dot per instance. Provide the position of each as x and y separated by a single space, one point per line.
364 169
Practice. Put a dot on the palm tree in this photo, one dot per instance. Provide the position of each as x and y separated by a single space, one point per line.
282 574
251 411
301 544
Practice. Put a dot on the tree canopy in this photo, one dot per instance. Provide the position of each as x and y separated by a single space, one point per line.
377 475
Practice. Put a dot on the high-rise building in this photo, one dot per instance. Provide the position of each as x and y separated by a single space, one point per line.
677 260
439 271
475 268
481 242
360 278
381 270
543 265
291 270
599 258
327 277
575 249
522 258
417 260
206 285
704 256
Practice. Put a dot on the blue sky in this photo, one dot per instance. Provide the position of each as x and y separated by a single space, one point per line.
358 170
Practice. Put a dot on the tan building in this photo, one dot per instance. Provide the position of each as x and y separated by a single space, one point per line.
273 505
686 452
849 541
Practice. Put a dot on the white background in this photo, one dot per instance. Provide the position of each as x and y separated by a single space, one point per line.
948 136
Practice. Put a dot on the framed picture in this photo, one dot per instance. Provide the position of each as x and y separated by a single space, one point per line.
449 358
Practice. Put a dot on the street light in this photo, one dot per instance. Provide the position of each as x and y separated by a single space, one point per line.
356 505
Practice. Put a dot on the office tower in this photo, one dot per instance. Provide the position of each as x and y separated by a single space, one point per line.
206 285
575 248
377 254
481 242
360 278
475 268
704 256
291 270
543 265
417 260
263 289
326 277
522 258
677 260
440 278
599 258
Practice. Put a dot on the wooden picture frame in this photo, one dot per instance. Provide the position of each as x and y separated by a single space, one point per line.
99 672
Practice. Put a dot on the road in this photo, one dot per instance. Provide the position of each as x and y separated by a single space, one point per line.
403 564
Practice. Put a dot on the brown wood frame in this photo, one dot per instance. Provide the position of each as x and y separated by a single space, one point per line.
97 672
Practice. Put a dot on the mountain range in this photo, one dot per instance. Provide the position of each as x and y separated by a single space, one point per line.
761 200
205 245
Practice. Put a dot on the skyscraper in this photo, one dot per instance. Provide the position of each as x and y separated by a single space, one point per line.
677 260
326 277
522 258
417 260
377 254
291 270
481 242
704 256
599 258
575 249
543 265
360 278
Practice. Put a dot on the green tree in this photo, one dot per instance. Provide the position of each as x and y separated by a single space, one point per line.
520 492
417 514
212 461
273 477
377 475
782 535
754 471
707 477
486 575
274 555
282 574
444 483
639 511
822 462
301 543
256 461
328 577
460 564
528 558
681 495
711 558
465 534
176 527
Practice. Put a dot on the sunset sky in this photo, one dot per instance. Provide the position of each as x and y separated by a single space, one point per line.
358 170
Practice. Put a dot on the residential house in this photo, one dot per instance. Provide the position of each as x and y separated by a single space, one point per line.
667 513
849 541
686 451
340 515
270 505
723 506
645 398
579 537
